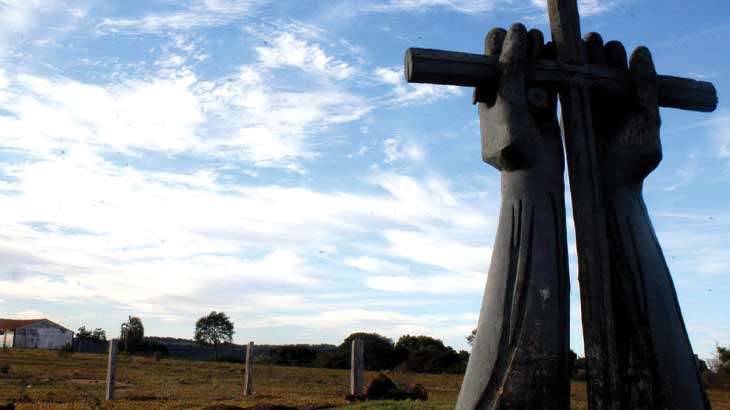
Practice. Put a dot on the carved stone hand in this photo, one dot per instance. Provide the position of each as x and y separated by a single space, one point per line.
656 362
519 357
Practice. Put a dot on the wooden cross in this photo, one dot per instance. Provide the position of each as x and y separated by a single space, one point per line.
574 79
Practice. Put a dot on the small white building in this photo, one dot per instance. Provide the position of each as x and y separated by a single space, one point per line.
33 334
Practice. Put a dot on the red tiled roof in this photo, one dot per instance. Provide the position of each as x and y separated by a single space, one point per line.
10 324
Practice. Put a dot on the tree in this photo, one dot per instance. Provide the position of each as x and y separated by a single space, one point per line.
378 353
97 334
424 354
472 337
293 355
132 333
214 329
377 350
723 359
83 333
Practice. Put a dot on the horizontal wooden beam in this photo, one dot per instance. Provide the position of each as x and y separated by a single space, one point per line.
431 66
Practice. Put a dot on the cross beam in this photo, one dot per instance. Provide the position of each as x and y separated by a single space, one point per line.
429 66
574 80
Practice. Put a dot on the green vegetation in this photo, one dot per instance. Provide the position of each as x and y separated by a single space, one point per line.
132 333
214 329
43 380
421 354
97 335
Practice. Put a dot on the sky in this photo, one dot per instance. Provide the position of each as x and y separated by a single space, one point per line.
164 159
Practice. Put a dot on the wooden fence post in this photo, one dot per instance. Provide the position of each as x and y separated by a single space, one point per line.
111 368
248 378
356 368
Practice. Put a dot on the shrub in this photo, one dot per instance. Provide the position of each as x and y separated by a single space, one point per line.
263 359
293 355
4 369
66 351
150 347
229 359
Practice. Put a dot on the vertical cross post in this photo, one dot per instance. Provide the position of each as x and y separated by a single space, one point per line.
589 214
248 376
356 368
111 368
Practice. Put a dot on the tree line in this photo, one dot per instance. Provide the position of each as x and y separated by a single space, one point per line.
421 354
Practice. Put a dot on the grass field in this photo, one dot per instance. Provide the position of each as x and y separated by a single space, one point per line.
43 380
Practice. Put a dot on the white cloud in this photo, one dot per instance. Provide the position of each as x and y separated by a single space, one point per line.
273 128
55 113
403 94
395 150
360 152
29 314
436 250
80 228
287 50
460 284
244 114
375 265
201 13
389 75
587 7
464 6
19 16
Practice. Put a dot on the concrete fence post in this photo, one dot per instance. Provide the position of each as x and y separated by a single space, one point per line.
356 368
111 368
248 377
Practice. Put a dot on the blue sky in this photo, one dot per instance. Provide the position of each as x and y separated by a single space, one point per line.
265 158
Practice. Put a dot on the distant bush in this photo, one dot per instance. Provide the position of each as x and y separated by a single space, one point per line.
263 359
424 354
66 351
4 369
378 349
229 359
293 355
150 348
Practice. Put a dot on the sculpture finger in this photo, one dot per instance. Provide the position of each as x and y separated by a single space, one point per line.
593 44
487 93
615 55
513 59
508 131
644 80
536 42
494 40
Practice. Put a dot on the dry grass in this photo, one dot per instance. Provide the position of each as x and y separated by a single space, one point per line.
43 380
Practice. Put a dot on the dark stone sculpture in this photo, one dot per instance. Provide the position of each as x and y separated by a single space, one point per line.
656 363
520 354
519 357
637 350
